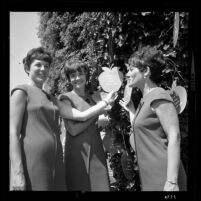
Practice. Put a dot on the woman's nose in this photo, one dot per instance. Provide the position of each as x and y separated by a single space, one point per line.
42 67
77 77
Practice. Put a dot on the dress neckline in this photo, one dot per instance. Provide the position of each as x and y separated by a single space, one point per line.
150 92
85 98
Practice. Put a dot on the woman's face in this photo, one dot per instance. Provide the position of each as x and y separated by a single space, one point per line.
38 71
135 78
78 79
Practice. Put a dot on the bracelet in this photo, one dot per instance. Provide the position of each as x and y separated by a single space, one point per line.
175 183
105 102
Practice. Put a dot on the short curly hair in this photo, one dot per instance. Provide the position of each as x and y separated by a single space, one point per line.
149 56
39 53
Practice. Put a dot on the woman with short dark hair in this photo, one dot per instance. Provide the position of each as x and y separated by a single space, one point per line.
156 134
85 162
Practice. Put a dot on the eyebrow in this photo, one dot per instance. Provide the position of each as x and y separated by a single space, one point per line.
41 61
79 70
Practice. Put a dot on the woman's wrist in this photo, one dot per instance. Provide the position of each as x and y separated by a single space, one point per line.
172 182
105 102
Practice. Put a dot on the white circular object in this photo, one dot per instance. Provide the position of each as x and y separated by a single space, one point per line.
110 79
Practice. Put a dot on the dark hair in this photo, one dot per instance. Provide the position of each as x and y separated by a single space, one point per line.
36 53
72 66
149 56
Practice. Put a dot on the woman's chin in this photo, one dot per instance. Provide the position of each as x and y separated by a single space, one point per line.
78 86
131 85
40 80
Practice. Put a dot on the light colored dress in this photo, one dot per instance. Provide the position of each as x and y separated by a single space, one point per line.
85 162
151 145
40 139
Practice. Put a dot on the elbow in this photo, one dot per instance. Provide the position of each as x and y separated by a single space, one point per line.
72 131
82 117
78 116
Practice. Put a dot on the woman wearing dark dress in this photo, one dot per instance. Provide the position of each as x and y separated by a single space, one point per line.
156 136
85 162
36 158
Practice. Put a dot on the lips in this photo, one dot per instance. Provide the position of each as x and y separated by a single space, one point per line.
42 75
128 80
79 82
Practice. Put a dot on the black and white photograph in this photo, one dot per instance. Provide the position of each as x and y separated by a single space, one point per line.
102 101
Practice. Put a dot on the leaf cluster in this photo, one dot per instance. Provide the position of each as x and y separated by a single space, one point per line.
108 39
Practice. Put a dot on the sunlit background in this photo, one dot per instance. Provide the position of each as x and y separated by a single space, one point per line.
23 37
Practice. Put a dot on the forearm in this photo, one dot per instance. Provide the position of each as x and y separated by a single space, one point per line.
17 178
132 117
173 159
131 109
68 112
15 155
92 111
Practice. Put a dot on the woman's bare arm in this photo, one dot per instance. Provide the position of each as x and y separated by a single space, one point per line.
17 107
77 127
68 112
168 117
129 108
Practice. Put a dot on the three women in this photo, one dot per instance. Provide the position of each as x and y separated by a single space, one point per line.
36 161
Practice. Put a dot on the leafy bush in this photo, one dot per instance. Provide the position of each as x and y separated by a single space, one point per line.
109 38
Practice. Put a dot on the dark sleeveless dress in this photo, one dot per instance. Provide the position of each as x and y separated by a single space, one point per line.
40 139
151 145
85 162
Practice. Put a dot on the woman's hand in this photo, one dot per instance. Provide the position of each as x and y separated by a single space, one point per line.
110 97
129 107
171 186
17 182
107 109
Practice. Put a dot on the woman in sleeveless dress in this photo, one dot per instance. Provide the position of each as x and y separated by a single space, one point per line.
156 134
36 158
85 162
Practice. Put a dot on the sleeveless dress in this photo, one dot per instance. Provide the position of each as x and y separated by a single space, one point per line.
85 162
40 142
151 145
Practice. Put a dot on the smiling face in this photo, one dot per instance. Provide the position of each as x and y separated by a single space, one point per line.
78 78
38 71
135 78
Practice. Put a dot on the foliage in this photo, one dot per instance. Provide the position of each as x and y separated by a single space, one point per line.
109 38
